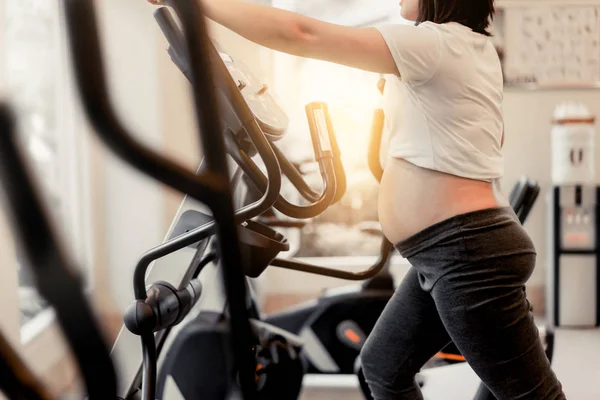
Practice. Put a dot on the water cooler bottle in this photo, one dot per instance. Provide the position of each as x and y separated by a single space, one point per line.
573 285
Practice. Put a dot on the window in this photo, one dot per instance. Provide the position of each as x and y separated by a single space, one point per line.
352 97
40 90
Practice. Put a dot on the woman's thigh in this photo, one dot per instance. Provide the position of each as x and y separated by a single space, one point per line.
408 333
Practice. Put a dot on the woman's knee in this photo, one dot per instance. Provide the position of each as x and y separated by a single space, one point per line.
385 375
369 357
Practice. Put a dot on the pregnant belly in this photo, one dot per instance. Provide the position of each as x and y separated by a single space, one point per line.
413 198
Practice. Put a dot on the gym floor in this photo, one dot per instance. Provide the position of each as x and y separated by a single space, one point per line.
576 363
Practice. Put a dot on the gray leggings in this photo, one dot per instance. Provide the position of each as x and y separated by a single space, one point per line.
467 285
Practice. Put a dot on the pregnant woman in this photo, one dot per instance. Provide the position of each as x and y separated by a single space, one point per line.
470 256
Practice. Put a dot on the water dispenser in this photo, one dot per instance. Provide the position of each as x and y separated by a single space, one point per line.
574 221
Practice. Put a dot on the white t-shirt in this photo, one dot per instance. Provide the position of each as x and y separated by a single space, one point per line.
444 112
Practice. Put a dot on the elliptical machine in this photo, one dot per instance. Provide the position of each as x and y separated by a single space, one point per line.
210 186
54 276
192 318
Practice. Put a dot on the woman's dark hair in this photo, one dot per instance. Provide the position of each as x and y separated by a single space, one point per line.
476 14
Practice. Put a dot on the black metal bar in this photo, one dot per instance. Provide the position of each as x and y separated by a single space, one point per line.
172 33
89 72
557 226
317 207
533 191
550 342
597 256
321 140
518 195
386 246
246 164
54 275
295 177
149 375
197 265
164 249
201 54
384 256
204 88
281 204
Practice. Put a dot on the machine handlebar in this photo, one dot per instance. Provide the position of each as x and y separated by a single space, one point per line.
325 145
386 247
375 144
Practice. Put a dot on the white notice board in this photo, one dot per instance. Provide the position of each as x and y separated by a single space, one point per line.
550 45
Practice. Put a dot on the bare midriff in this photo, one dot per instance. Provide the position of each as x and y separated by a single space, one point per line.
412 198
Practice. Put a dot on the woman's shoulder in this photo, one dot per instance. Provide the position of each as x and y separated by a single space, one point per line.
449 28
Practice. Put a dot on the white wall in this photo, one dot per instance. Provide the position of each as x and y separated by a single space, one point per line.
133 204
528 116
11 318
10 321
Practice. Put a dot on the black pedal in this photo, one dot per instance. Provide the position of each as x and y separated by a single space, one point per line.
280 368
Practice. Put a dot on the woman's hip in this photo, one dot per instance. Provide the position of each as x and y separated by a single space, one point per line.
486 243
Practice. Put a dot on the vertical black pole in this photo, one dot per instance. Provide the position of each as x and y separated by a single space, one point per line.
213 146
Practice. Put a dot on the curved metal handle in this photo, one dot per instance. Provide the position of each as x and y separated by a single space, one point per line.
297 180
295 176
375 144
338 166
327 155
317 207
54 274
386 247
